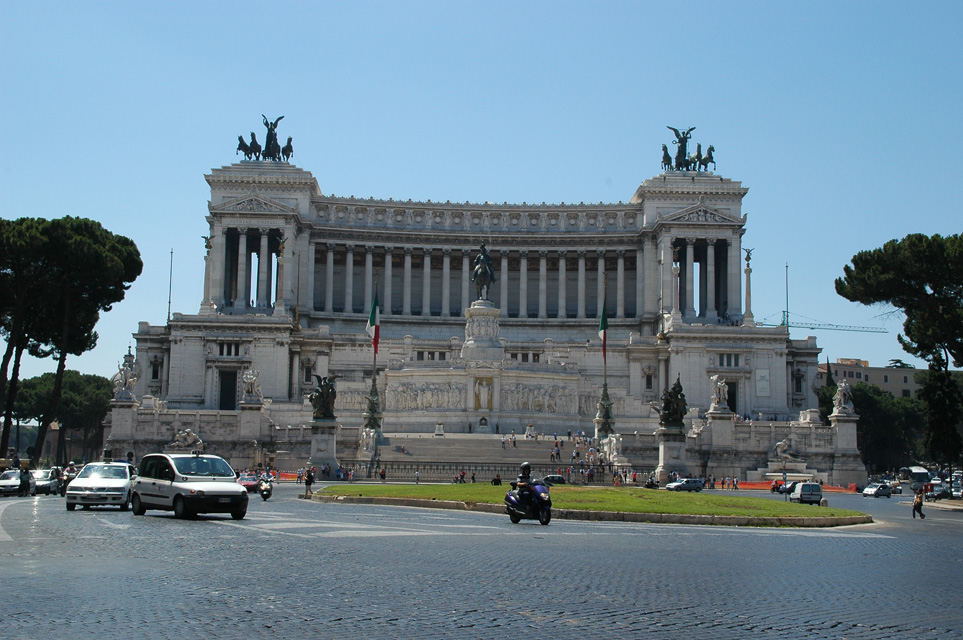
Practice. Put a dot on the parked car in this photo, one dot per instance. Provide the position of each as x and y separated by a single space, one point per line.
248 481
686 484
48 481
956 491
553 480
187 484
10 483
101 483
807 493
877 490
938 492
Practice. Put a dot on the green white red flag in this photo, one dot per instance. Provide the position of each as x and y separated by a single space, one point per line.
374 323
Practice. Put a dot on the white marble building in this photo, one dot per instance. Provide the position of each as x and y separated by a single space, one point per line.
291 274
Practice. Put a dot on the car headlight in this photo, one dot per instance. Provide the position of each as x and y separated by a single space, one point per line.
197 493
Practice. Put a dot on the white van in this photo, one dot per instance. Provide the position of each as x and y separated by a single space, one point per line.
187 484
806 492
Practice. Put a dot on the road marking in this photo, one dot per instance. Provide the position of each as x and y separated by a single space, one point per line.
4 537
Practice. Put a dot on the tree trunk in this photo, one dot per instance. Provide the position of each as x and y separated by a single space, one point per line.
9 398
50 413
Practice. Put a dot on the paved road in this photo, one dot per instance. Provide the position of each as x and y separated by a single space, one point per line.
294 569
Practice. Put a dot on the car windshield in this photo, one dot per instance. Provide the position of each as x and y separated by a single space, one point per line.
203 466
10 475
103 471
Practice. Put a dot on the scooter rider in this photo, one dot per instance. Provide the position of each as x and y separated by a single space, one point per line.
524 483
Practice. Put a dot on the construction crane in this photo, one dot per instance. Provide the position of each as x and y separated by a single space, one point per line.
817 325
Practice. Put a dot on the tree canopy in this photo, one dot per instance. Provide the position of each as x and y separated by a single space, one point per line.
923 277
56 277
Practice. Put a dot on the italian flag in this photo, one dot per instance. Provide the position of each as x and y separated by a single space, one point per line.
603 328
374 323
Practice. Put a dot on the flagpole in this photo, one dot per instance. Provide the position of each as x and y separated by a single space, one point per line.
374 365
605 361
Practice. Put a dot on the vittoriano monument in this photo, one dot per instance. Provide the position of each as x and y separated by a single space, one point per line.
272 149
684 161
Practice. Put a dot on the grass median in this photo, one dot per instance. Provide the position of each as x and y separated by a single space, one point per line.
617 499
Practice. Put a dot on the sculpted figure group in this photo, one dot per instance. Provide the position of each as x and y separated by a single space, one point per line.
272 149
683 160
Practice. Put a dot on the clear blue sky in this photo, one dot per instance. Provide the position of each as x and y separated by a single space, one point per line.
843 119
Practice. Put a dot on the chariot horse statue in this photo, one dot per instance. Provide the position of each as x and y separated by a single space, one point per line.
483 274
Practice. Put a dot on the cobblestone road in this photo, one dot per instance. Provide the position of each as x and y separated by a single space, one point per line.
295 569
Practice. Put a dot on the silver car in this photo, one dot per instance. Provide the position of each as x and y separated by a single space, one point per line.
101 483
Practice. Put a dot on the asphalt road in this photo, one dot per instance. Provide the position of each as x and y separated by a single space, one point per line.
299 569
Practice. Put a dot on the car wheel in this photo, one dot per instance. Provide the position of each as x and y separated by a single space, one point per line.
71 506
180 508
239 514
136 506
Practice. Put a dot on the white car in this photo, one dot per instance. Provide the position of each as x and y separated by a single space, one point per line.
188 484
101 483
10 483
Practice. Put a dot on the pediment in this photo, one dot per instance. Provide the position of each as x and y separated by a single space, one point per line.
251 203
701 213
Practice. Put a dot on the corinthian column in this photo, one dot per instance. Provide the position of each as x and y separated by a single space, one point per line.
562 298
349 280
426 285
241 297
368 276
523 285
690 310
600 284
446 282
329 280
543 283
581 284
386 303
711 280
620 285
264 272
465 280
503 277
406 288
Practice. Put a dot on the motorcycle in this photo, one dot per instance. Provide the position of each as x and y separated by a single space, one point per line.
534 504
265 488
65 479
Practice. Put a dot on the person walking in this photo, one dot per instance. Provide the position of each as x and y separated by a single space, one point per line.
918 505
308 481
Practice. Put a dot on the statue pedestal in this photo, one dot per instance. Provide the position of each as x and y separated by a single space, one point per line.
848 467
249 422
672 453
324 437
440 430
481 333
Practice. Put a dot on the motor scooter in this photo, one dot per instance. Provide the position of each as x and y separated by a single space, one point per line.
265 488
533 504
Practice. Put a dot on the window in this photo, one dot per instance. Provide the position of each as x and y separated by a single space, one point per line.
648 381
906 393
885 378
228 349
155 371
441 355
905 379
534 357
420 355
307 374
524 357
859 375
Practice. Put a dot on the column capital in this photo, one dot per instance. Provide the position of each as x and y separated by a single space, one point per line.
349 248
581 253
543 253
446 252
600 254
242 231
427 251
389 250
369 248
409 251
620 253
331 246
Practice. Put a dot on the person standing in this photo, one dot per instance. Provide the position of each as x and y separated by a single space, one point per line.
918 505
308 481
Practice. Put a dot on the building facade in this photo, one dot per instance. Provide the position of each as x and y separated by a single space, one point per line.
291 274
900 381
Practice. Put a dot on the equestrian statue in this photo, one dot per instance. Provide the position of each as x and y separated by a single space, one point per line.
484 273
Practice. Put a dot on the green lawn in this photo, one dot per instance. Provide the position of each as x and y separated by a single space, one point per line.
623 499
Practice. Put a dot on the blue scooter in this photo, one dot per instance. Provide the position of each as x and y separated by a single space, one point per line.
534 504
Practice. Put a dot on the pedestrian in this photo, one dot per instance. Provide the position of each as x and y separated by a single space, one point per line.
417 476
918 505
383 472
308 481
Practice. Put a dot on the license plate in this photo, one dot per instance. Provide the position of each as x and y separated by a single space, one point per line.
224 500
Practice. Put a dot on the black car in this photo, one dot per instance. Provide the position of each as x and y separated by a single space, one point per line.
553 480
787 487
